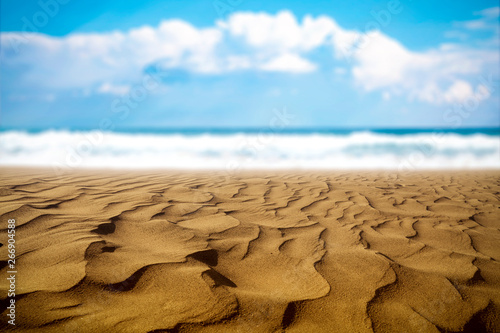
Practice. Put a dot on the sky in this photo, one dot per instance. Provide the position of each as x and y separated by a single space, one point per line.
237 63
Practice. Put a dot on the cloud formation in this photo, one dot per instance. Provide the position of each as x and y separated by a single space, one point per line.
435 76
111 62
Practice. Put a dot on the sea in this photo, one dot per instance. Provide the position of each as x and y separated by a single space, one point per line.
233 149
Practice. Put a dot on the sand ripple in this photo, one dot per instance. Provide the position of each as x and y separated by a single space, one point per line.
255 252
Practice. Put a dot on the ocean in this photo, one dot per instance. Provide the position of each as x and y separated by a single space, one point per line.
241 149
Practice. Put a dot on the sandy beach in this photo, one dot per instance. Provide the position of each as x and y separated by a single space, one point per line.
289 251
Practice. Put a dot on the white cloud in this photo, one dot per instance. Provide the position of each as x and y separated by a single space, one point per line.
492 12
112 62
280 32
458 92
289 63
277 42
475 24
83 60
456 34
435 76
488 20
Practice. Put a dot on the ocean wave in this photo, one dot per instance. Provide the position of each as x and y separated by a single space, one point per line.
357 150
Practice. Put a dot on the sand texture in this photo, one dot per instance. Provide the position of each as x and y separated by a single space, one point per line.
142 251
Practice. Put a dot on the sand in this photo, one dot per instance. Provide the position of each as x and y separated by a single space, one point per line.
121 251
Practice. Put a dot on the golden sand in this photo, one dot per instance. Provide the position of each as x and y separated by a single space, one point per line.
102 251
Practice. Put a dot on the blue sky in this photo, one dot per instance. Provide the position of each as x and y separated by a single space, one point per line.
232 63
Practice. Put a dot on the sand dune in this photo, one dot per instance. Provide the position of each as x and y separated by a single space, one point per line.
102 251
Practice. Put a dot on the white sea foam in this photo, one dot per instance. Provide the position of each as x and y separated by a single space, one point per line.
358 150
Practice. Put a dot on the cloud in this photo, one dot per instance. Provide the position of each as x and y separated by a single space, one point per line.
459 91
289 63
456 34
435 76
109 63
492 12
107 60
281 32
488 20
